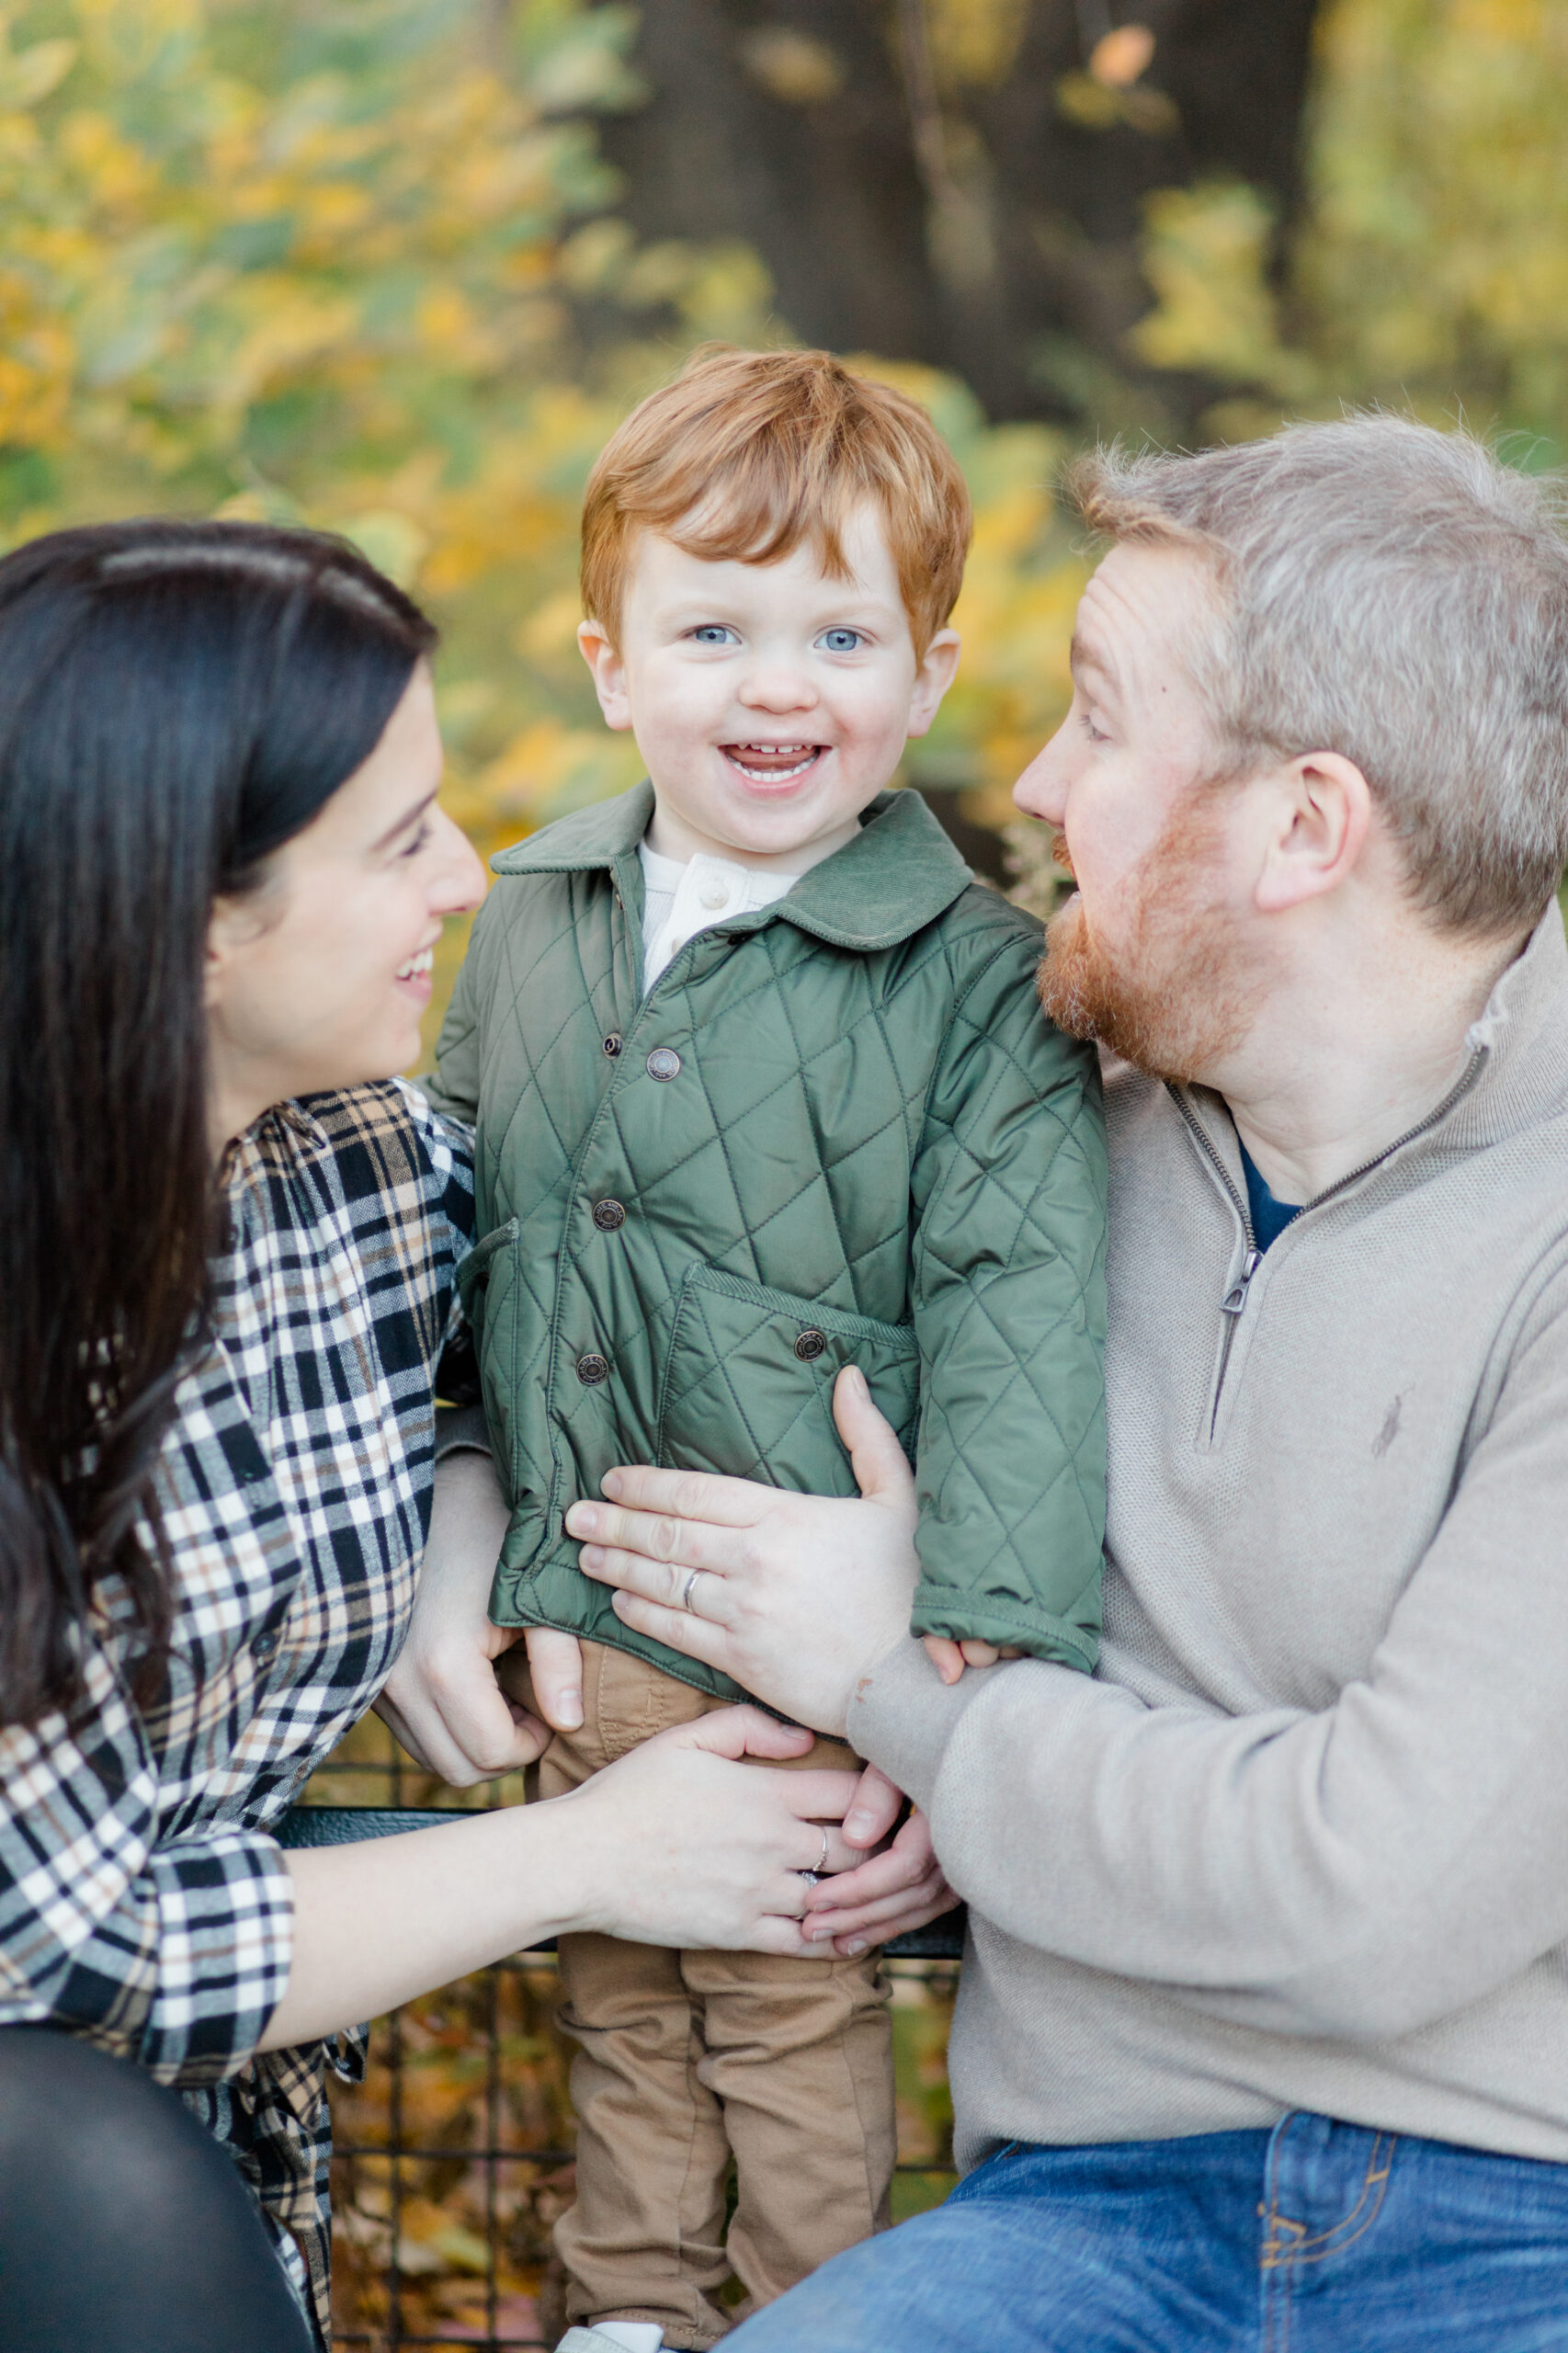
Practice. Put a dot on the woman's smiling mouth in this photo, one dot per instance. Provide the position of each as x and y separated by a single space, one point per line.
772 763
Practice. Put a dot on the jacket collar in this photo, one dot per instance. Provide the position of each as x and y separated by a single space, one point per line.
898 873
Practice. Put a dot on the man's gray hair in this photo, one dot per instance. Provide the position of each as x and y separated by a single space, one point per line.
1396 595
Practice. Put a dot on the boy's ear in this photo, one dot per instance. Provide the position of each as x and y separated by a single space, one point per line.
610 673
932 681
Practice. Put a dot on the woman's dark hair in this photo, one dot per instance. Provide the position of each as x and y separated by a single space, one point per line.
176 700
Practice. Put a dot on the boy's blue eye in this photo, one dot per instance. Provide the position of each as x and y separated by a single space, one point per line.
840 640
715 633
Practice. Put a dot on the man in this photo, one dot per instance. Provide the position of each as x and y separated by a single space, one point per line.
1263 2036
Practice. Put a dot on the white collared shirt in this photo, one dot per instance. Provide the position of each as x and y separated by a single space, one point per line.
683 897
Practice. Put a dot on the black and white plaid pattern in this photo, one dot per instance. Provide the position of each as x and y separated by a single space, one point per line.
142 1903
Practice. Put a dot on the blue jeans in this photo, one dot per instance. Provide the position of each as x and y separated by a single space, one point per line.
1315 2237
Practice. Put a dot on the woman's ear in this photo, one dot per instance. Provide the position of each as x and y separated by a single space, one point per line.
609 674
1321 817
237 921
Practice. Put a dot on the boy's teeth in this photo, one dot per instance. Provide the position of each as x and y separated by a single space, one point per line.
416 965
770 762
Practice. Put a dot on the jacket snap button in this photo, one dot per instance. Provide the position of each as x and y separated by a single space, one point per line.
614 1042
664 1062
591 1368
810 1344
607 1215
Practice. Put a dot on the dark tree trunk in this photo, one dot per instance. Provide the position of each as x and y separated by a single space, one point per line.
980 212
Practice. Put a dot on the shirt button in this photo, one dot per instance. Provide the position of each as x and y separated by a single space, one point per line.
265 1645
592 1369
614 1042
664 1062
810 1344
715 897
609 1215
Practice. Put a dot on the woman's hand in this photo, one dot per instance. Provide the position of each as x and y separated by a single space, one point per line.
677 1844
797 1596
899 1888
680 1847
441 1699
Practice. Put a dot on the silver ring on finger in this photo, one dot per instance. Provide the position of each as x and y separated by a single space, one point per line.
685 1596
814 1877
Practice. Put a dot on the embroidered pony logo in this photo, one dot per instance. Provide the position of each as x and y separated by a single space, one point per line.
1389 1431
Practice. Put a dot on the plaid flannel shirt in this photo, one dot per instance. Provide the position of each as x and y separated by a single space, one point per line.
142 1903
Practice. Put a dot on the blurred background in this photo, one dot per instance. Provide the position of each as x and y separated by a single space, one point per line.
397 267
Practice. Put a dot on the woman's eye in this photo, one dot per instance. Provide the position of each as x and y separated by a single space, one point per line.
714 633
840 640
418 843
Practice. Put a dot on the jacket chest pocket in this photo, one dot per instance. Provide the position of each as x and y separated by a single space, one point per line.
748 1385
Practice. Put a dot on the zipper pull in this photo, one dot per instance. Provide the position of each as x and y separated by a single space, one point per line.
1235 1298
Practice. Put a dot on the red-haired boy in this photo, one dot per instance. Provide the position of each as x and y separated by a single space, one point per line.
762 1091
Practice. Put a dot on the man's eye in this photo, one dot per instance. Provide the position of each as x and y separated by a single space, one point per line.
1095 735
840 640
714 633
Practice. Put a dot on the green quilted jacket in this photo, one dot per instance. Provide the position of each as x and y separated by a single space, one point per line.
837 1131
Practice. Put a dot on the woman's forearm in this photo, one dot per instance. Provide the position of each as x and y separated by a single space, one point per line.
378 1923
680 1843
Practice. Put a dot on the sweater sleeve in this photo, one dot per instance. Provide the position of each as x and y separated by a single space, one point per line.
1009 1312
172 1951
1360 1871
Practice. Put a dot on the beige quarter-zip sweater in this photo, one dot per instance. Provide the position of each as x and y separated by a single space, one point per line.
1303 1840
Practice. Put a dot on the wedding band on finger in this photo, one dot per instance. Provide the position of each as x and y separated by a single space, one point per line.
685 1596
814 1877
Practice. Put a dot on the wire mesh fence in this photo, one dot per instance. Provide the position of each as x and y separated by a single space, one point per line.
454 2157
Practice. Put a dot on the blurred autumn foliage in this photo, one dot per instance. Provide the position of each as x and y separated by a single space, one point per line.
360 262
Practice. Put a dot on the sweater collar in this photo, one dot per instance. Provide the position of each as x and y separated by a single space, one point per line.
1517 1050
898 873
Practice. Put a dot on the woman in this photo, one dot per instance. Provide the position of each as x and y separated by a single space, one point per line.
228 1242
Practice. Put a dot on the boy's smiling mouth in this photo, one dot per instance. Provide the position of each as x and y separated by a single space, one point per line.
773 763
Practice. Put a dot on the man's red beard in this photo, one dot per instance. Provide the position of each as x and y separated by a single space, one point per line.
1177 998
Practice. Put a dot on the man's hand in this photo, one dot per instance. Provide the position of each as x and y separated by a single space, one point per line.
441 1699
797 1596
899 1888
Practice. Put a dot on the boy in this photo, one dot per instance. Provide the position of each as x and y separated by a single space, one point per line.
761 1091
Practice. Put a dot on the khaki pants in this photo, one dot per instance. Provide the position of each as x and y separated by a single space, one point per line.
685 2059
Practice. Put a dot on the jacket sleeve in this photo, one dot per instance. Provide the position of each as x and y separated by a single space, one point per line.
1009 1296
1362 1871
173 1952
452 1087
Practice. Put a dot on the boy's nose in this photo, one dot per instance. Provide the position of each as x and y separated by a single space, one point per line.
778 689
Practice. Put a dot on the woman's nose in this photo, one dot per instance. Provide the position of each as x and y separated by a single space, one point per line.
456 884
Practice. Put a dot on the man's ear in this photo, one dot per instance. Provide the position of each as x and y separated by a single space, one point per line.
1320 814
610 673
932 681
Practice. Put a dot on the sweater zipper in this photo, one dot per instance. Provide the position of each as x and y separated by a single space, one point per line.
1234 1304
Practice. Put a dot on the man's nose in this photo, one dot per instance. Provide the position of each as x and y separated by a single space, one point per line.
1039 791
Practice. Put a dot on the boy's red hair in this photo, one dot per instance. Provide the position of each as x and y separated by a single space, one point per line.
747 453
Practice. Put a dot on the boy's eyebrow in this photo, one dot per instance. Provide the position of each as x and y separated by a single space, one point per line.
407 819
